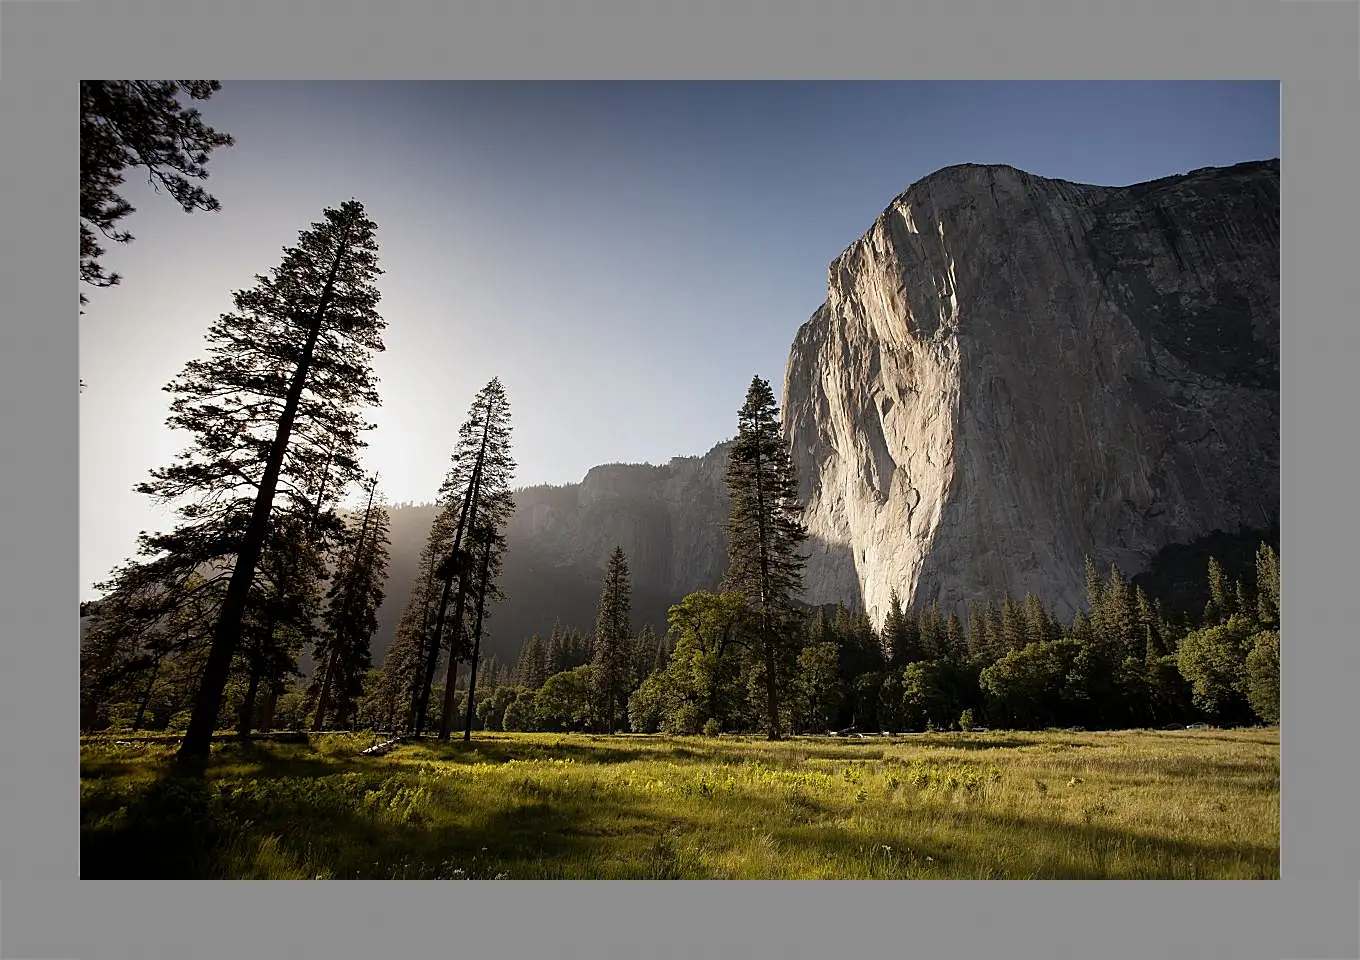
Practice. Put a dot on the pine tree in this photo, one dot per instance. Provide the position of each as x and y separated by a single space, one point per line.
1118 617
1013 626
977 636
940 650
558 657
479 482
357 593
404 667
138 123
1039 627
955 646
1081 630
613 639
1219 607
931 627
531 668
1267 585
150 612
994 630
765 534
645 653
285 375
1095 586
1146 624
901 635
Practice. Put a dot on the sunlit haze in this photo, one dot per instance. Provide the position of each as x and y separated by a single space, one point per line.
623 256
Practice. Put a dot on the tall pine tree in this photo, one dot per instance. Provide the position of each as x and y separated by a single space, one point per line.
765 534
358 591
613 639
901 634
478 482
285 376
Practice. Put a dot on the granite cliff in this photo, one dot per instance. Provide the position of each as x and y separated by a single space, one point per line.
1010 373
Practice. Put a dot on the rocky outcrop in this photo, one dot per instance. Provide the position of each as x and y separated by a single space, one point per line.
1011 373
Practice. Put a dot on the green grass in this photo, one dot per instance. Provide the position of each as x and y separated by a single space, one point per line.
1200 804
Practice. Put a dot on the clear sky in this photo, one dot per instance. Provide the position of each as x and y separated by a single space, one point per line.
623 256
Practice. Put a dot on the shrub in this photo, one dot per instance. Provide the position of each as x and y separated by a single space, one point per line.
566 701
650 703
712 728
684 719
520 713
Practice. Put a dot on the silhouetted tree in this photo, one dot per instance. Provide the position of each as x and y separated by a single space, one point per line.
125 124
479 481
358 591
284 377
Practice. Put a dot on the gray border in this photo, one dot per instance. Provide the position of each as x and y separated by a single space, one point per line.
1311 913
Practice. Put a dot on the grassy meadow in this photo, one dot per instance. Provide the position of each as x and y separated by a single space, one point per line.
1192 804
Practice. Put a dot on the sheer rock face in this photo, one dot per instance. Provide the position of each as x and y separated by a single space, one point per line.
1010 373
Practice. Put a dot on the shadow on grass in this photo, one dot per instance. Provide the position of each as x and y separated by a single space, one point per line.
175 828
167 831
1192 859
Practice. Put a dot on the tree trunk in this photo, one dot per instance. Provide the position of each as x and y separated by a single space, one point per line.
323 698
197 742
477 642
459 609
271 701
771 688
146 695
420 653
247 715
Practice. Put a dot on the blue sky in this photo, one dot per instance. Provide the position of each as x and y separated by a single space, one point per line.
624 256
